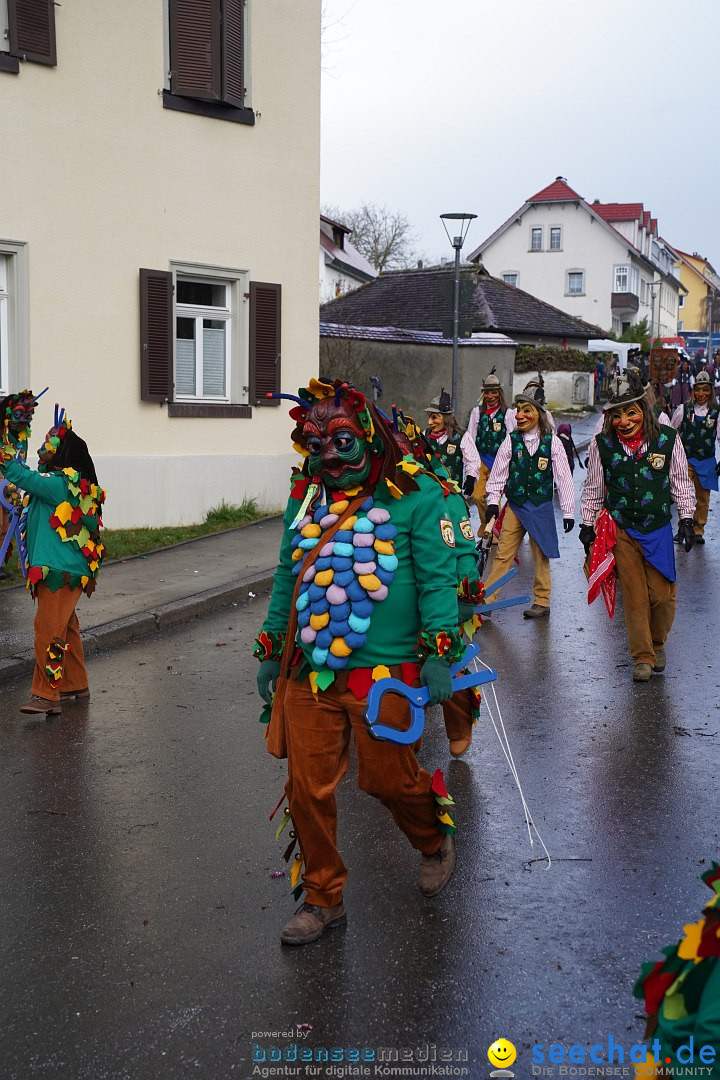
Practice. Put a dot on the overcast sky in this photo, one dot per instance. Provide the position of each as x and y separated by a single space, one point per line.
474 105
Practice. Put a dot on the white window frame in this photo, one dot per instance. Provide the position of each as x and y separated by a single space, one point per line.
621 270
513 274
536 229
237 388
555 229
574 292
14 316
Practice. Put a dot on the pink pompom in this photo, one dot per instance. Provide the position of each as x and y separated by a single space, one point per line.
309 573
363 539
326 550
336 595
327 521
308 635
378 516
364 568
379 594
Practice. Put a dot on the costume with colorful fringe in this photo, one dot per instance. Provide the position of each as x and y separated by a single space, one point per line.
372 600
682 992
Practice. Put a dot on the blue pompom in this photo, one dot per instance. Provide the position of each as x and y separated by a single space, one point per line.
343 578
339 628
384 576
386 532
302 601
365 555
342 563
319 656
295 540
319 607
316 592
362 525
324 564
343 536
324 638
363 608
339 611
355 591
303 618
367 505
355 641
320 513
343 549
336 662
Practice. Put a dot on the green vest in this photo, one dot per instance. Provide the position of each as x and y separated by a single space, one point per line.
490 433
637 490
698 436
531 475
450 455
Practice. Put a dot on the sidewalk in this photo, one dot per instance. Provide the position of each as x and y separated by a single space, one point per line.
150 593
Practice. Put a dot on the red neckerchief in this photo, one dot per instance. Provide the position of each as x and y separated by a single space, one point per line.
488 411
437 434
634 443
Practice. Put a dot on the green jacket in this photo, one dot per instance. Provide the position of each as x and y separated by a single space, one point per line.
423 594
45 547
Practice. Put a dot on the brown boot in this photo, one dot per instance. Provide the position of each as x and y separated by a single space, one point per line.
659 665
537 611
458 747
436 870
642 673
41 705
310 922
75 695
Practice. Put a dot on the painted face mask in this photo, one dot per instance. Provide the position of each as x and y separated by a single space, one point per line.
20 412
701 393
628 420
527 416
491 399
337 449
436 422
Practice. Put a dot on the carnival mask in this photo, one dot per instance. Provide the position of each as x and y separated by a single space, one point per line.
20 412
701 393
628 420
436 422
527 416
491 399
338 451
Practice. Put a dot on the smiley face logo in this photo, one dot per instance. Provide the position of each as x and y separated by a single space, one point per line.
501 1054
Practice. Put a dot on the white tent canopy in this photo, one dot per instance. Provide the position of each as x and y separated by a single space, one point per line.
620 348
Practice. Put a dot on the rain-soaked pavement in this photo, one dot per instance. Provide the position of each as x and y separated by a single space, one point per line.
139 928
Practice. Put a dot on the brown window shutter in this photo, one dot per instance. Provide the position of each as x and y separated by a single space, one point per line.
156 335
32 30
195 55
264 342
233 52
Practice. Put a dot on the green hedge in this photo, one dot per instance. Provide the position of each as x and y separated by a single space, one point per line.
553 358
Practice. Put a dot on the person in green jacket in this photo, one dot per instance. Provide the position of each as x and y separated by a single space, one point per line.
62 560
365 588
16 413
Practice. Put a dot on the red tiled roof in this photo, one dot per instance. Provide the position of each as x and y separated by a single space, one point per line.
653 226
555 192
619 211
646 219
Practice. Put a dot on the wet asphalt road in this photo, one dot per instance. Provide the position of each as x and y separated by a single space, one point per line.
139 922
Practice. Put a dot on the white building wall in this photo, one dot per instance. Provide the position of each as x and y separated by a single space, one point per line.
585 245
334 282
102 180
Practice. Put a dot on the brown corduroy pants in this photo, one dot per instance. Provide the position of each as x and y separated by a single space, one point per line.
318 737
648 599
457 713
479 496
702 503
55 619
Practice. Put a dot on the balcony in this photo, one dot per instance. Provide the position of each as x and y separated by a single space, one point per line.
624 303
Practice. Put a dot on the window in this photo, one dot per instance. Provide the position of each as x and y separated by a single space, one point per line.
207 59
622 277
556 238
681 300
536 239
576 283
617 326
511 279
643 291
14 316
29 32
208 346
4 376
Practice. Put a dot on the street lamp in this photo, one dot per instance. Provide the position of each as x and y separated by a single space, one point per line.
653 285
460 223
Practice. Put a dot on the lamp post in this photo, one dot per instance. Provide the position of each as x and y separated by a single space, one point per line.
653 285
460 224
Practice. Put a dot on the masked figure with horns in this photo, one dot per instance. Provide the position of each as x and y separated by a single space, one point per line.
366 587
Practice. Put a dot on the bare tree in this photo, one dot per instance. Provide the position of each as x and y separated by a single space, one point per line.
385 237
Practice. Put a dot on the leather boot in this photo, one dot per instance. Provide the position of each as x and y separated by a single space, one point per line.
659 665
642 673
537 611
458 747
436 870
310 922
41 705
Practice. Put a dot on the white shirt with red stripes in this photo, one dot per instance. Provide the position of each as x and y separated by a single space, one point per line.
561 471
593 492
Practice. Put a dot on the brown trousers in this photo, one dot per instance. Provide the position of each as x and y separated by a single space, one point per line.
648 599
511 536
55 618
457 713
318 737
478 495
702 502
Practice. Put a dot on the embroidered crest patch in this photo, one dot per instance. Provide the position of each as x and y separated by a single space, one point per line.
466 529
543 463
656 461
497 426
710 421
448 534
452 448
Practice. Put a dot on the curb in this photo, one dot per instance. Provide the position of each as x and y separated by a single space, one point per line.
142 624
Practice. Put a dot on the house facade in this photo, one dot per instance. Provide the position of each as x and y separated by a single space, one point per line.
700 281
148 273
604 263
342 267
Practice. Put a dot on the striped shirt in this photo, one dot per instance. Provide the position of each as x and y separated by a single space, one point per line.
593 492
561 471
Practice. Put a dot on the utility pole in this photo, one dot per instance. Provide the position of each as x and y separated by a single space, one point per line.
711 304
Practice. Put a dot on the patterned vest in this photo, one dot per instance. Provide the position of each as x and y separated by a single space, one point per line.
490 433
698 436
531 475
450 455
637 489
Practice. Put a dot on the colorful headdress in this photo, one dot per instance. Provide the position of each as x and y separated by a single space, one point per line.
61 425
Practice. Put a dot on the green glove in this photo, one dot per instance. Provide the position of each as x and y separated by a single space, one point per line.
268 673
435 674
465 611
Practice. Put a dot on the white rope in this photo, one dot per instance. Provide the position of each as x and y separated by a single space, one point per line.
505 746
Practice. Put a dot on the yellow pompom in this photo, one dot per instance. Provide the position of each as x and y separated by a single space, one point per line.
324 578
380 672
310 531
369 582
350 522
384 547
339 507
339 648
319 622
297 554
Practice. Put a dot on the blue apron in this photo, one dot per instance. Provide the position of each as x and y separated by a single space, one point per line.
705 472
658 549
539 522
487 460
